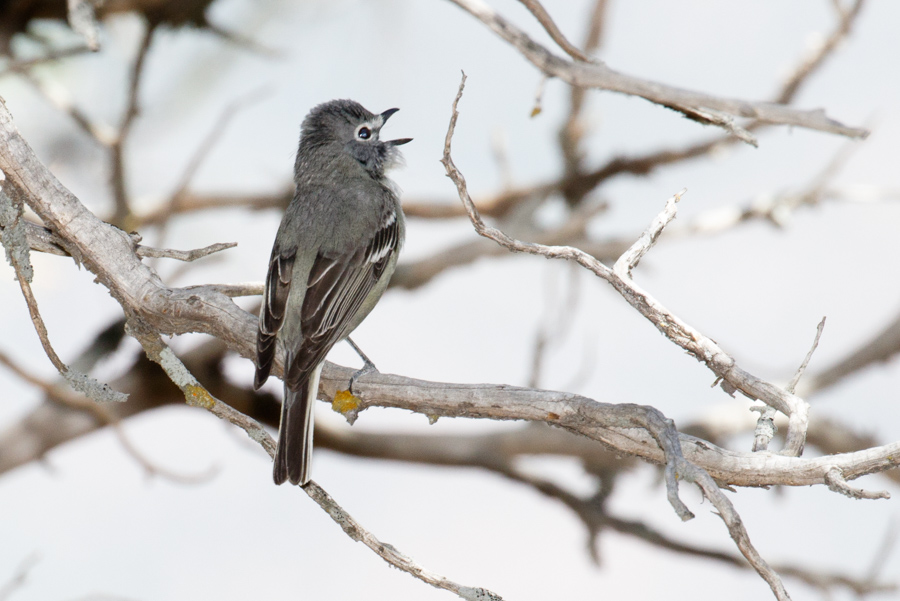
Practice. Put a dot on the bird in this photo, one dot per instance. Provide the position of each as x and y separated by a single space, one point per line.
332 258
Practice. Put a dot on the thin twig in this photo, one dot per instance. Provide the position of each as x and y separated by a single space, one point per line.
598 75
100 133
192 202
19 577
152 469
388 552
572 132
197 396
182 255
559 316
17 254
231 110
103 416
119 177
83 21
546 21
594 38
793 383
500 153
879 348
593 514
817 57
713 117
676 466
576 183
42 239
57 393
888 544
23 65
233 290
835 480
703 348
631 257
765 426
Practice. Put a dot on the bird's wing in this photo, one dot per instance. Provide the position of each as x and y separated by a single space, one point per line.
271 316
337 287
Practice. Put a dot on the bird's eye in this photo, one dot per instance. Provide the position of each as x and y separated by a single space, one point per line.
364 133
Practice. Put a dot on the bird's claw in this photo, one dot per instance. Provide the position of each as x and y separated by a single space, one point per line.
367 368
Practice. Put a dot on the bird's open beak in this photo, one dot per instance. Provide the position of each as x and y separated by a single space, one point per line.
384 117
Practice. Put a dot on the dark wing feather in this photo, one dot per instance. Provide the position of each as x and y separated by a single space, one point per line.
271 315
337 287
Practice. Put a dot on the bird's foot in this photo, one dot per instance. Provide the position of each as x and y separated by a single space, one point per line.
367 368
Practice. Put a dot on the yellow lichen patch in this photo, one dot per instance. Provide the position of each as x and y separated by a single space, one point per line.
197 396
344 402
553 416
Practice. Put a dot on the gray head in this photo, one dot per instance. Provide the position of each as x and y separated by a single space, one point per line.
344 128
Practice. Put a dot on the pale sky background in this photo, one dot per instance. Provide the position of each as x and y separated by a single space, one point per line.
102 529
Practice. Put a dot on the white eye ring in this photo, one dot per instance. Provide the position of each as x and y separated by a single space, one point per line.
364 132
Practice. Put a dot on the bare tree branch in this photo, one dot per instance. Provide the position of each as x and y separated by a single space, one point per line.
814 60
877 349
119 178
18 578
104 416
556 323
196 395
765 427
571 135
108 253
84 22
389 553
14 243
575 183
488 451
593 514
701 347
793 383
206 146
182 255
100 133
598 75
546 21
726 122
189 202
835 480
42 239
683 335
23 65
234 290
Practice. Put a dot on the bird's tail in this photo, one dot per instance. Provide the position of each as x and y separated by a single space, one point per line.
295 433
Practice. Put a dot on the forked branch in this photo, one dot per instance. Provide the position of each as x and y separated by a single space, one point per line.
708 108
620 277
